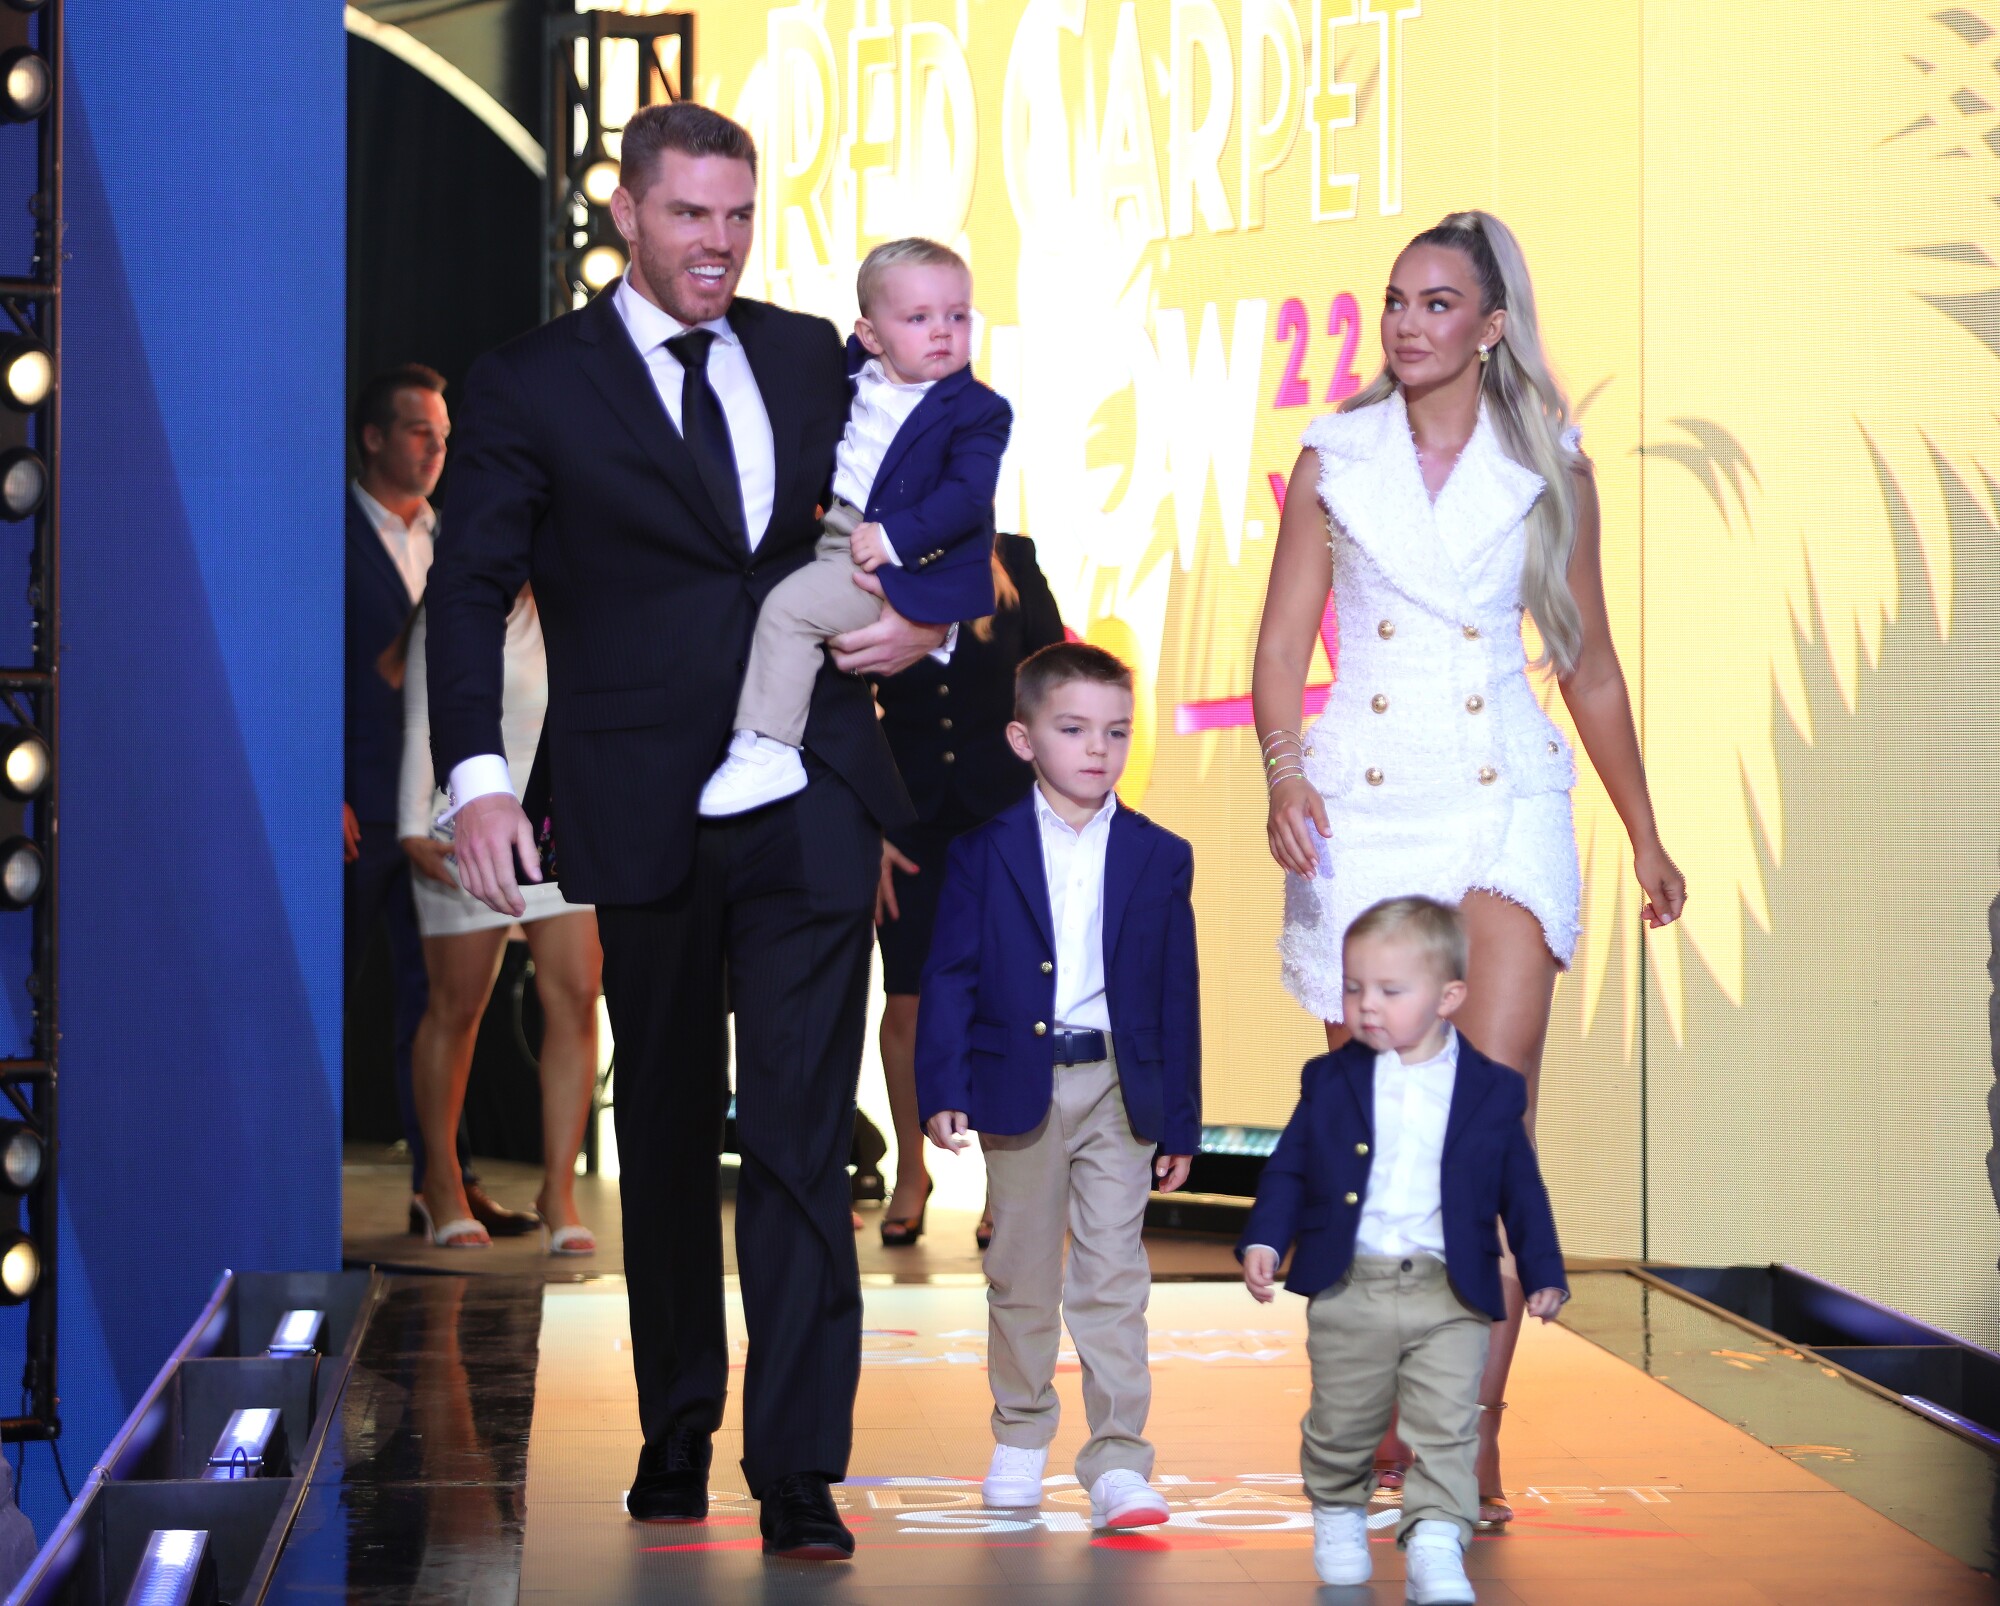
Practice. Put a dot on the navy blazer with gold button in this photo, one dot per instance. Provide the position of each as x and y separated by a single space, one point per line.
1316 1180
934 495
990 981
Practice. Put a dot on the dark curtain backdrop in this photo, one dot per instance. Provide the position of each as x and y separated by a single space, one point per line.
444 242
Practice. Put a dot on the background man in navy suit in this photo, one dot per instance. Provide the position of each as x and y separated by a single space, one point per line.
655 463
400 428
1061 1021
1406 1152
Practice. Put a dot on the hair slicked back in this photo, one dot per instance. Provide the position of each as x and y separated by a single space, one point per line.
678 125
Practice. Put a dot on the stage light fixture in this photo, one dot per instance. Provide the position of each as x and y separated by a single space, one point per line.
20 873
24 762
24 481
20 1156
20 1267
601 264
177 1569
26 374
599 180
25 85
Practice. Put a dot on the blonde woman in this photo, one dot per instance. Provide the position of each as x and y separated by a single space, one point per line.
1441 503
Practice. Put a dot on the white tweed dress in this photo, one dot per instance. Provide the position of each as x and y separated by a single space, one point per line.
1441 772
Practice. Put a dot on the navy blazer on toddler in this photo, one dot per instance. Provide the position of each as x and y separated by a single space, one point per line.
1316 1180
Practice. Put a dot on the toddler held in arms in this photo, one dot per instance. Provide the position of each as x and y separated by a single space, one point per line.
912 506
1405 1153
1060 1019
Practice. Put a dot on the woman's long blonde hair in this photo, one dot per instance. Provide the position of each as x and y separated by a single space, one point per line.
1531 415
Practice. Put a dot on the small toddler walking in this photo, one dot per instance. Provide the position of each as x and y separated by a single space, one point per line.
1061 1021
1406 1150
911 504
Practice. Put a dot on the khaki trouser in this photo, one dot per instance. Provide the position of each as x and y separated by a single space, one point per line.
802 611
1392 1333
1082 1171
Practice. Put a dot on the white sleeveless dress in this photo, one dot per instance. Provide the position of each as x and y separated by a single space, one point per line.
1441 772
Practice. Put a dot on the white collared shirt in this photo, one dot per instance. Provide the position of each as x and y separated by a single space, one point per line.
409 546
881 408
1403 1213
735 387
1073 863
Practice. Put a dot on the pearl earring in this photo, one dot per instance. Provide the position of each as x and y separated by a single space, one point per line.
1485 355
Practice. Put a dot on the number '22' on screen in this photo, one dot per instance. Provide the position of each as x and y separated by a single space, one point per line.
1295 324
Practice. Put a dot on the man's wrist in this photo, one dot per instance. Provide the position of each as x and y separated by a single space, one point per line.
482 775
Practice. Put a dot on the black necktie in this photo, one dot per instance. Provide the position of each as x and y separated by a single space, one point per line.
706 430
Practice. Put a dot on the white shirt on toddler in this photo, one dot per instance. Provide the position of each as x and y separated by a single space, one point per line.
881 407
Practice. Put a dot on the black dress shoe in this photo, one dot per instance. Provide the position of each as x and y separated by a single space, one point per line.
671 1484
800 1523
497 1219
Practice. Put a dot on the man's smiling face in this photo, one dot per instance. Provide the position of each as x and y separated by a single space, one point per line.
689 232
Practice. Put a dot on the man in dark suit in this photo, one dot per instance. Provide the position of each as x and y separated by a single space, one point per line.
655 463
400 428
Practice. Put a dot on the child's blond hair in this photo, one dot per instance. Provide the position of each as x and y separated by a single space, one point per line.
914 252
1431 926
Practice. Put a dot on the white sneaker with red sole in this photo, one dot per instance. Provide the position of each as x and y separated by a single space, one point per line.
1123 1499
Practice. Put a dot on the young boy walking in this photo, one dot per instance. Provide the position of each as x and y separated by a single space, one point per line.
1061 1021
911 504
1407 1146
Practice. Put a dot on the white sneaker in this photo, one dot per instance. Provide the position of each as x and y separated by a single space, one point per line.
1123 1499
1015 1477
1436 1559
756 772
1340 1544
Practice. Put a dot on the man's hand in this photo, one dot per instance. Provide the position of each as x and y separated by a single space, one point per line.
1546 1302
888 646
870 548
1260 1273
947 1130
350 834
486 836
430 859
885 889
1171 1170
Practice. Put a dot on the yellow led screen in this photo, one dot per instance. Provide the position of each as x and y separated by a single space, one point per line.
1764 237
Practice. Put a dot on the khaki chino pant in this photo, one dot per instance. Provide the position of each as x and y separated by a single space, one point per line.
803 610
1081 1172
1393 1334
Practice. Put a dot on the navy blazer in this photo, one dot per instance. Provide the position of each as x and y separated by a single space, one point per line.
989 989
934 495
378 606
1314 1183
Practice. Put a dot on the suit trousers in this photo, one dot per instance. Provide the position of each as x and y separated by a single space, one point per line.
774 921
803 610
1393 1334
376 887
1081 1171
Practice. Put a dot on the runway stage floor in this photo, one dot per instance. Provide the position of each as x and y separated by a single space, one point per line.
1627 1492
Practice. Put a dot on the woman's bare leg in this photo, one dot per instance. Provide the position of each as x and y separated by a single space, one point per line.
1506 1017
461 969
569 968
898 1041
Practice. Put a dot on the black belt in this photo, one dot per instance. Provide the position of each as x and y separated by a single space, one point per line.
1080 1047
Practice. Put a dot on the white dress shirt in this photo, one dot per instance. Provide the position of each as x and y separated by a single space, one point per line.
1073 862
1403 1213
409 545
881 408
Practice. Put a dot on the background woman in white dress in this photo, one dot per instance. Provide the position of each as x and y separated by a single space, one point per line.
1444 500
463 945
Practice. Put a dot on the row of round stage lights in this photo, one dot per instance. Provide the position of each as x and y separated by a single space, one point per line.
601 263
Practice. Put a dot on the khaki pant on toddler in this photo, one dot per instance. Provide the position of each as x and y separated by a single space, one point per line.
1393 1334
803 610
1083 1172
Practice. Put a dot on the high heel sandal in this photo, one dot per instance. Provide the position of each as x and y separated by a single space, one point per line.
1494 1511
1389 1475
576 1239
460 1233
902 1231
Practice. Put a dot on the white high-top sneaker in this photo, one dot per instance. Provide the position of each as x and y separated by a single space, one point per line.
1123 1499
1015 1477
1436 1558
757 771
1340 1544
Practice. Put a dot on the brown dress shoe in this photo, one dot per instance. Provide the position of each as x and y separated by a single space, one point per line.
497 1219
